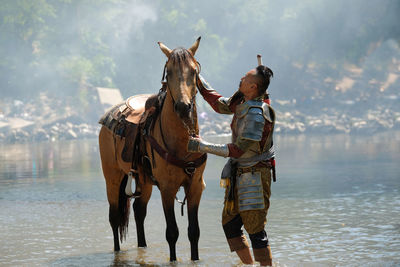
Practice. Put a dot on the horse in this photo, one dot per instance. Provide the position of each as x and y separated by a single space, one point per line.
171 166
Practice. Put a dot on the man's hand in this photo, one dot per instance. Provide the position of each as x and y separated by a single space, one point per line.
194 144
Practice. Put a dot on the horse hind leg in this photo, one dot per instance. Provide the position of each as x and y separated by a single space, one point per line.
119 211
115 184
140 211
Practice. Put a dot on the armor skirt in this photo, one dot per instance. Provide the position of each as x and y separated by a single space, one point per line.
252 194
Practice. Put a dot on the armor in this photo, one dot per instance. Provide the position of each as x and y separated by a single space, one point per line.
217 149
242 109
251 125
250 191
251 117
198 145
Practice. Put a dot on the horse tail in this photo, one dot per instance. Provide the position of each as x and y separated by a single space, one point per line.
123 209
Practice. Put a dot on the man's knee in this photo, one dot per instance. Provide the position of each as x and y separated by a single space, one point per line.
233 228
259 240
254 220
234 234
261 248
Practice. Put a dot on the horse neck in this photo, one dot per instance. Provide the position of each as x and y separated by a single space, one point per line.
175 134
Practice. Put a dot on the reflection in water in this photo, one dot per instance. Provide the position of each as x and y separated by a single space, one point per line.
336 202
40 160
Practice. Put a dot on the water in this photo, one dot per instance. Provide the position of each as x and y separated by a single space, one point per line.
336 203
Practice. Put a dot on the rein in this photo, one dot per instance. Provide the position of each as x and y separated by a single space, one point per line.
189 167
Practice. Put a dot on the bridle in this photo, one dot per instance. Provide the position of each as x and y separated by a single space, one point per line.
189 167
164 79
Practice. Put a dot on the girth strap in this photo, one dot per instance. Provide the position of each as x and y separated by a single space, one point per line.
188 166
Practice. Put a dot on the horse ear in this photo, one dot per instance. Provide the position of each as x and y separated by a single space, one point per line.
165 49
194 47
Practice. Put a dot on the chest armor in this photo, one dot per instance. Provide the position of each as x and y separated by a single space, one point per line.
248 123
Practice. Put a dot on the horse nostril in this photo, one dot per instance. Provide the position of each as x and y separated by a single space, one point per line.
182 108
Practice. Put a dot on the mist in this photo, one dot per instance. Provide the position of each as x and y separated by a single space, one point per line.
326 56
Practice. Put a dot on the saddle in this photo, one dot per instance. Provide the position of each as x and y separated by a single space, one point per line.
129 118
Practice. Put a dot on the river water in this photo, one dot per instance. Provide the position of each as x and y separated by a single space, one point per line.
336 203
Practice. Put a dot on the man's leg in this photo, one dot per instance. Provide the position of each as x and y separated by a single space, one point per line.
254 222
237 240
245 256
261 249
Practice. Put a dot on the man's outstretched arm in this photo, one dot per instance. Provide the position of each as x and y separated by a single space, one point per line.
233 150
219 103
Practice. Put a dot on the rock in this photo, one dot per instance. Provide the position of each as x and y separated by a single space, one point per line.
41 135
4 126
70 134
17 135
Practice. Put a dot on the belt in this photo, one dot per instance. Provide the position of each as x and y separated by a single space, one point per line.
262 164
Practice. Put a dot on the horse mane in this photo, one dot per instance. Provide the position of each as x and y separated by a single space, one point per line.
181 56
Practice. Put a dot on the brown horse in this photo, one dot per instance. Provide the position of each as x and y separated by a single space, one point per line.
170 170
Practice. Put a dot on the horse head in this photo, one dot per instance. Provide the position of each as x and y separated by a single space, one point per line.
182 70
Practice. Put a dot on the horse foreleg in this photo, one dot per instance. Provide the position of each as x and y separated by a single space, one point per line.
193 232
172 232
193 199
140 210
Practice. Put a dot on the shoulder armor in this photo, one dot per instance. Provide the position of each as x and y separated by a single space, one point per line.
270 112
251 116
251 123
267 111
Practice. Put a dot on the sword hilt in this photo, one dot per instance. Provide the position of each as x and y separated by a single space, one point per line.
259 60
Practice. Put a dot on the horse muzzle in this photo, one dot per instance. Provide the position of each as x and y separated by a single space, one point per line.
183 110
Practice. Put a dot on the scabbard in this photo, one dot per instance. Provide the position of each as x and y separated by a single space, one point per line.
273 169
232 183
273 174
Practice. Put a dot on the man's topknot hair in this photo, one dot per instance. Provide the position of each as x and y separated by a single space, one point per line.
265 74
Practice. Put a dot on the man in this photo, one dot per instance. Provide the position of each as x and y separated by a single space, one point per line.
248 187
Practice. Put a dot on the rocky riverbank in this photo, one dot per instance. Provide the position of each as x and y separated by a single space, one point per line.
51 119
47 119
331 121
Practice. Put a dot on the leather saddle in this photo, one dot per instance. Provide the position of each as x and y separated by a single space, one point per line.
127 118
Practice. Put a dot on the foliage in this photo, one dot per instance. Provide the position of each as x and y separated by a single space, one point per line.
63 45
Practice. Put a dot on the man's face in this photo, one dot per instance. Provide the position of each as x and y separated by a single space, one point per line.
248 85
